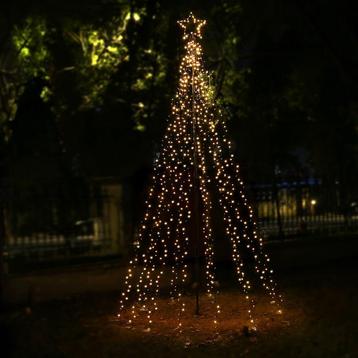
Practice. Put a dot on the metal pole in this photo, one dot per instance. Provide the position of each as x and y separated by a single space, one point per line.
196 205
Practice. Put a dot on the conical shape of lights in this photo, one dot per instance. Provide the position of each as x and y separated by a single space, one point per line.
195 158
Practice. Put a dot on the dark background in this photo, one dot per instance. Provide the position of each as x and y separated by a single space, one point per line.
286 73
85 93
86 88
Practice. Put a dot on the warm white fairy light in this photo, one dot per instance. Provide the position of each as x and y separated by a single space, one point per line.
196 135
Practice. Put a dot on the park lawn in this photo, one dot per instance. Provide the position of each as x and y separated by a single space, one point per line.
320 319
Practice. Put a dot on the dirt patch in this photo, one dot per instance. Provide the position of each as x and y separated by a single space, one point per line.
319 319
209 327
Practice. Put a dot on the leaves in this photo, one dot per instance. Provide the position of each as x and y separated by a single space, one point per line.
24 56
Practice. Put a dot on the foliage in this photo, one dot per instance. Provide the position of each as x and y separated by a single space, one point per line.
283 74
230 81
25 56
102 50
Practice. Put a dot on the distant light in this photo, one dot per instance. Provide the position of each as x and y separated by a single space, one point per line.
313 201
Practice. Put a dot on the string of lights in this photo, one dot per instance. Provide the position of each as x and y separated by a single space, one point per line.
195 157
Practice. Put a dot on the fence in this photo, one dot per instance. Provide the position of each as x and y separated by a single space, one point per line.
43 227
300 208
46 228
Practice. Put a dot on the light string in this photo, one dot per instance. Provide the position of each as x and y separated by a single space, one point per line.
196 134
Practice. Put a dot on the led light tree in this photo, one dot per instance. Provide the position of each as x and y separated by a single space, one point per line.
195 160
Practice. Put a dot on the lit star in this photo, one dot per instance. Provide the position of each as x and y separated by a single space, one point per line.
192 26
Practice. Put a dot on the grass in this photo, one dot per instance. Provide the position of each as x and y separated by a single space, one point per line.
320 320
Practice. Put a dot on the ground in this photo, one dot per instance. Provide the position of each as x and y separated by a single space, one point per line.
320 319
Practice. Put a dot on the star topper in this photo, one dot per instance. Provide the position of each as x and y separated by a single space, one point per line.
192 26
